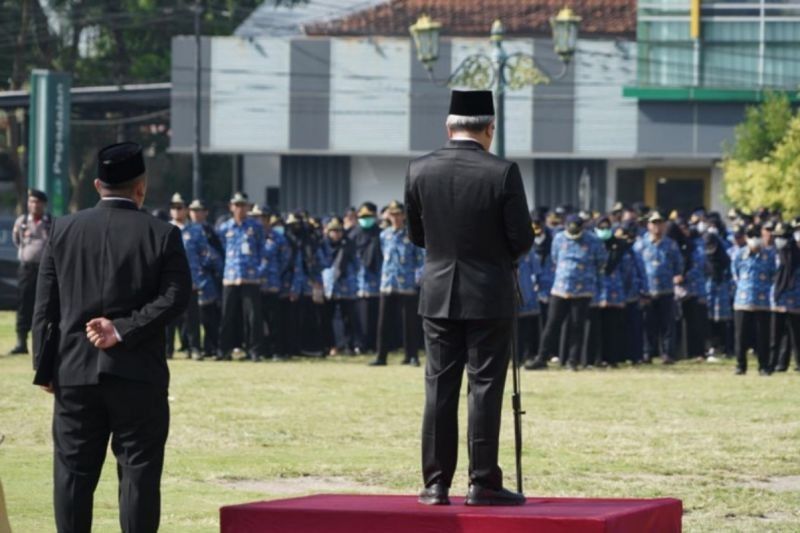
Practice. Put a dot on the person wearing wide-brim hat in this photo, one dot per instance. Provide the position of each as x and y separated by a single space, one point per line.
242 315
402 268
198 253
663 270
467 299
367 240
29 234
339 280
101 327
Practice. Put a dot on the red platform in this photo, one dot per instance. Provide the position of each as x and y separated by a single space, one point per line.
396 514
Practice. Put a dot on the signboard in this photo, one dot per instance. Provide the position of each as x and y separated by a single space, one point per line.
48 144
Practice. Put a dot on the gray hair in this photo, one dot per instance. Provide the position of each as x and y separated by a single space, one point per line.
468 123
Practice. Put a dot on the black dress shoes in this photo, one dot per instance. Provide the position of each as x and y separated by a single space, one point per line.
434 495
377 362
19 349
478 495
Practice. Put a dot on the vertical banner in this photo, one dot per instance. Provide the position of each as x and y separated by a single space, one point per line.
694 19
48 144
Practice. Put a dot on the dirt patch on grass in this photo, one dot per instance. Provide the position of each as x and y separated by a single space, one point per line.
300 485
776 484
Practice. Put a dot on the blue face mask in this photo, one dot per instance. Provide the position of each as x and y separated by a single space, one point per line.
278 229
366 222
603 233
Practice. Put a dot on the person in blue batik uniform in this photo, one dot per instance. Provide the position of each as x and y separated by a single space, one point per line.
339 279
754 267
209 290
242 315
528 331
579 257
719 295
542 244
197 253
399 287
272 263
605 345
691 293
786 296
367 239
663 266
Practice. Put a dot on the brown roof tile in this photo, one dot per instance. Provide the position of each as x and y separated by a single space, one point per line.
615 18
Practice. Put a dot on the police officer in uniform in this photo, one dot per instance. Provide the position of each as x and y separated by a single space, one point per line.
112 278
29 236
467 208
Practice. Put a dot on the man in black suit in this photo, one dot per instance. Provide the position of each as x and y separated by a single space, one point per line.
467 208
111 279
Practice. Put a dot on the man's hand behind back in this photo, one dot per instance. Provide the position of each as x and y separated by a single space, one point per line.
101 333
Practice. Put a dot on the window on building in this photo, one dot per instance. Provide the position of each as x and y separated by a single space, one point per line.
630 185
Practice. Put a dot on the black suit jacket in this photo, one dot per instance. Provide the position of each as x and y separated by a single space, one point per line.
467 208
110 261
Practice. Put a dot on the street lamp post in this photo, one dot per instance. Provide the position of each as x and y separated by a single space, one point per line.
502 70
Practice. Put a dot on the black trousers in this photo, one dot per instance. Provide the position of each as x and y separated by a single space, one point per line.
392 310
26 294
789 323
659 322
606 338
634 335
719 336
367 310
752 329
573 311
273 327
304 333
695 316
136 417
528 337
482 346
188 323
242 321
347 312
210 317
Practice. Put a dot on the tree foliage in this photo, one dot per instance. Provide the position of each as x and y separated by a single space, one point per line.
762 169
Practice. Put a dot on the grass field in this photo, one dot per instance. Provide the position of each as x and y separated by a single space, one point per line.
728 446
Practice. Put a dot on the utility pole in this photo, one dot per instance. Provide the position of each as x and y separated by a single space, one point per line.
197 182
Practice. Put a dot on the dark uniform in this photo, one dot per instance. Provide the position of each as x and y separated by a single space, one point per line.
117 262
29 236
473 224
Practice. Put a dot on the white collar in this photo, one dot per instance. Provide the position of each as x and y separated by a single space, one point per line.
118 198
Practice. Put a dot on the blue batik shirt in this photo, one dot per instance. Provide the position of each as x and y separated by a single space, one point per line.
196 246
754 273
341 284
273 261
244 248
578 264
529 271
402 262
662 262
208 289
695 279
613 291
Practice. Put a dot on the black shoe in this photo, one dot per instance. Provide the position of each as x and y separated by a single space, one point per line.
572 367
764 372
405 362
377 362
436 494
414 361
536 364
781 369
478 495
223 357
19 349
740 372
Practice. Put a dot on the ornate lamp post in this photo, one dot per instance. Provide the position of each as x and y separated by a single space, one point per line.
501 70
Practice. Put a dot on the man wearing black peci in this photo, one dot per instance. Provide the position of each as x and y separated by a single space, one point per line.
467 208
111 279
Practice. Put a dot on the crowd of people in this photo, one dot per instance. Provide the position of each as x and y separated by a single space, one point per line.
596 290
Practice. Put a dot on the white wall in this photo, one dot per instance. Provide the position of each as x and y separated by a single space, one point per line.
377 179
718 202
260 172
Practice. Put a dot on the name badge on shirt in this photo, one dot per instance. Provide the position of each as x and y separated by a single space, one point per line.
245 248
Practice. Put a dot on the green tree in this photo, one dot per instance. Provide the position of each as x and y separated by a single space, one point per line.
762 169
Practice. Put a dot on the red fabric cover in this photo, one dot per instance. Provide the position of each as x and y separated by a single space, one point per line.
336 513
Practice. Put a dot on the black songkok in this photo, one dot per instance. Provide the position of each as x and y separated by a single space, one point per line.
118 163
471 103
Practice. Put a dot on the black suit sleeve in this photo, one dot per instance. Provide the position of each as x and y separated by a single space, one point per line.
516 217
47 309
416 231
173 295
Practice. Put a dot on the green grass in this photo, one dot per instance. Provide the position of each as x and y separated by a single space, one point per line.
726 445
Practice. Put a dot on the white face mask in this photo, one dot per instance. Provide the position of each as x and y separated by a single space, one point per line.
797 236
702 227
781 242
713 230
539 239
754 242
